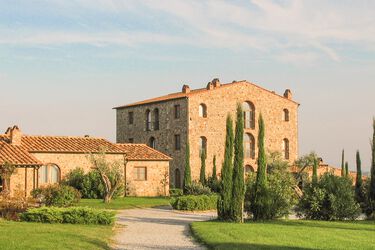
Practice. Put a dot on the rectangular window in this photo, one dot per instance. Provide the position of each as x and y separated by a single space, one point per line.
140 173
177 111
131 117
177 142
131 140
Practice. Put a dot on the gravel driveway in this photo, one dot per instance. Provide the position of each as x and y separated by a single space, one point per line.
157 228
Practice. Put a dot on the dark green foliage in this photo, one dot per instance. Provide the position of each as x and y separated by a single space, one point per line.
346 169
202 175
214 171
371 188
360 193
331 199
343 163
315 172
173 192
197 188
89 185
195 202
238 191
57 195
213 182
187 173
224 203
72 215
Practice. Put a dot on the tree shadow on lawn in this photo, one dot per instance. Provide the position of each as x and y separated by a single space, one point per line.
250 246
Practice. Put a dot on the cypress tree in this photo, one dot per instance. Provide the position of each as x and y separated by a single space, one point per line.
372 177
202 176
346 169
187 173
358 181
262 163
224 203
238 191
214 174
315 172
343 163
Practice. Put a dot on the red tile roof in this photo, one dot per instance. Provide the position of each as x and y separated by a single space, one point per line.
180 95
16 155
143 152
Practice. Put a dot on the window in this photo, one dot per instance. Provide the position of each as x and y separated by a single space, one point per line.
177 142
148 120
156 119
203 110
249 115
49 174
177 178
286 115
131 117
202 145
286 149
140 173
249 169
249 146
177 111
131 140
152 142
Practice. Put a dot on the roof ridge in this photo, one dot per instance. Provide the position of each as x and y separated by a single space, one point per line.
67 137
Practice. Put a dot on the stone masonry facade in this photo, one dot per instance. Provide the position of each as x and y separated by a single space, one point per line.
203 118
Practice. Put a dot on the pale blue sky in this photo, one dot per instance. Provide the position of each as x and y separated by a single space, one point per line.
65 64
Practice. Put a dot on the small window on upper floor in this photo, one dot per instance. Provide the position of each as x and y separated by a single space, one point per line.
156 119
152 142
177 142
285 115
203 110
148 120
248 109
131 140
177 111
131 117
202 145
285 149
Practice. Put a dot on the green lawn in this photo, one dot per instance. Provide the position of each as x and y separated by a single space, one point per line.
126 203
286 235
24 235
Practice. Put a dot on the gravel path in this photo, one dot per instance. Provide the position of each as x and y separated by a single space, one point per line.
157 228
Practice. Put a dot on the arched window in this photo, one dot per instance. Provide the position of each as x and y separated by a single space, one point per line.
286 149
202 110
49 174
249 146
177 178
249 169
249 115
148 120
156 119
285 115
152 142
202 145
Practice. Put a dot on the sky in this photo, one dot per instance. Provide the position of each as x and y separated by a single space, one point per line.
65 64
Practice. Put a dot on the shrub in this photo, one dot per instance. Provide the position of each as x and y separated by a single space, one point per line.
173 192
57 195
72 215
196 188
195 202
332 198
213 184
11 206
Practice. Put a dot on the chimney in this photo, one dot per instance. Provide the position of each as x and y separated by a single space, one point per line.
288 94
210 86
15 136
216 83
186 89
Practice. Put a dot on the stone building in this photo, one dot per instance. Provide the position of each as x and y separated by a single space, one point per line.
43 160
198 117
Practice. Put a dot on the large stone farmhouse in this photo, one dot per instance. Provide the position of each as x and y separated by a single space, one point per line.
43 160
198 117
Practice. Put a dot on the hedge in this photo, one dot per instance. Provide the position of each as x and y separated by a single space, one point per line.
194 202
71 215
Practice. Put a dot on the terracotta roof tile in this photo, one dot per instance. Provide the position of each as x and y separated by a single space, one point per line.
143 152
16 155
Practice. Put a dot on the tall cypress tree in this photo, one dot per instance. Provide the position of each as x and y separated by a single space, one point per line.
358 180
343 163
202 176
238 191
372 180
214 174
224 203
346 169
315 172
187 173
262 163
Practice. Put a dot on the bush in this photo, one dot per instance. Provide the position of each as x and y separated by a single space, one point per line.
173 192
213 184
11 206
332 198
195 202
197 188
57 195
72 215
89 185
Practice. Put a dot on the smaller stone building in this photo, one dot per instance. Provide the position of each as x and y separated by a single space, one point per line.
43 160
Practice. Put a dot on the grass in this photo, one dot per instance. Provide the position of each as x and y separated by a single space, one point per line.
125 203
25 235
286 235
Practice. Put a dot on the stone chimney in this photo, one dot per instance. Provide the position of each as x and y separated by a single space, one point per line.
210 86
288 94
186 89
216 83
15 135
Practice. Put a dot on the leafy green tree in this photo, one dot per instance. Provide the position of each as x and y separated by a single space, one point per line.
187 173
202 176
303 163
359 187
346 169
315 172
238 191
343 163
224 203
214 173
